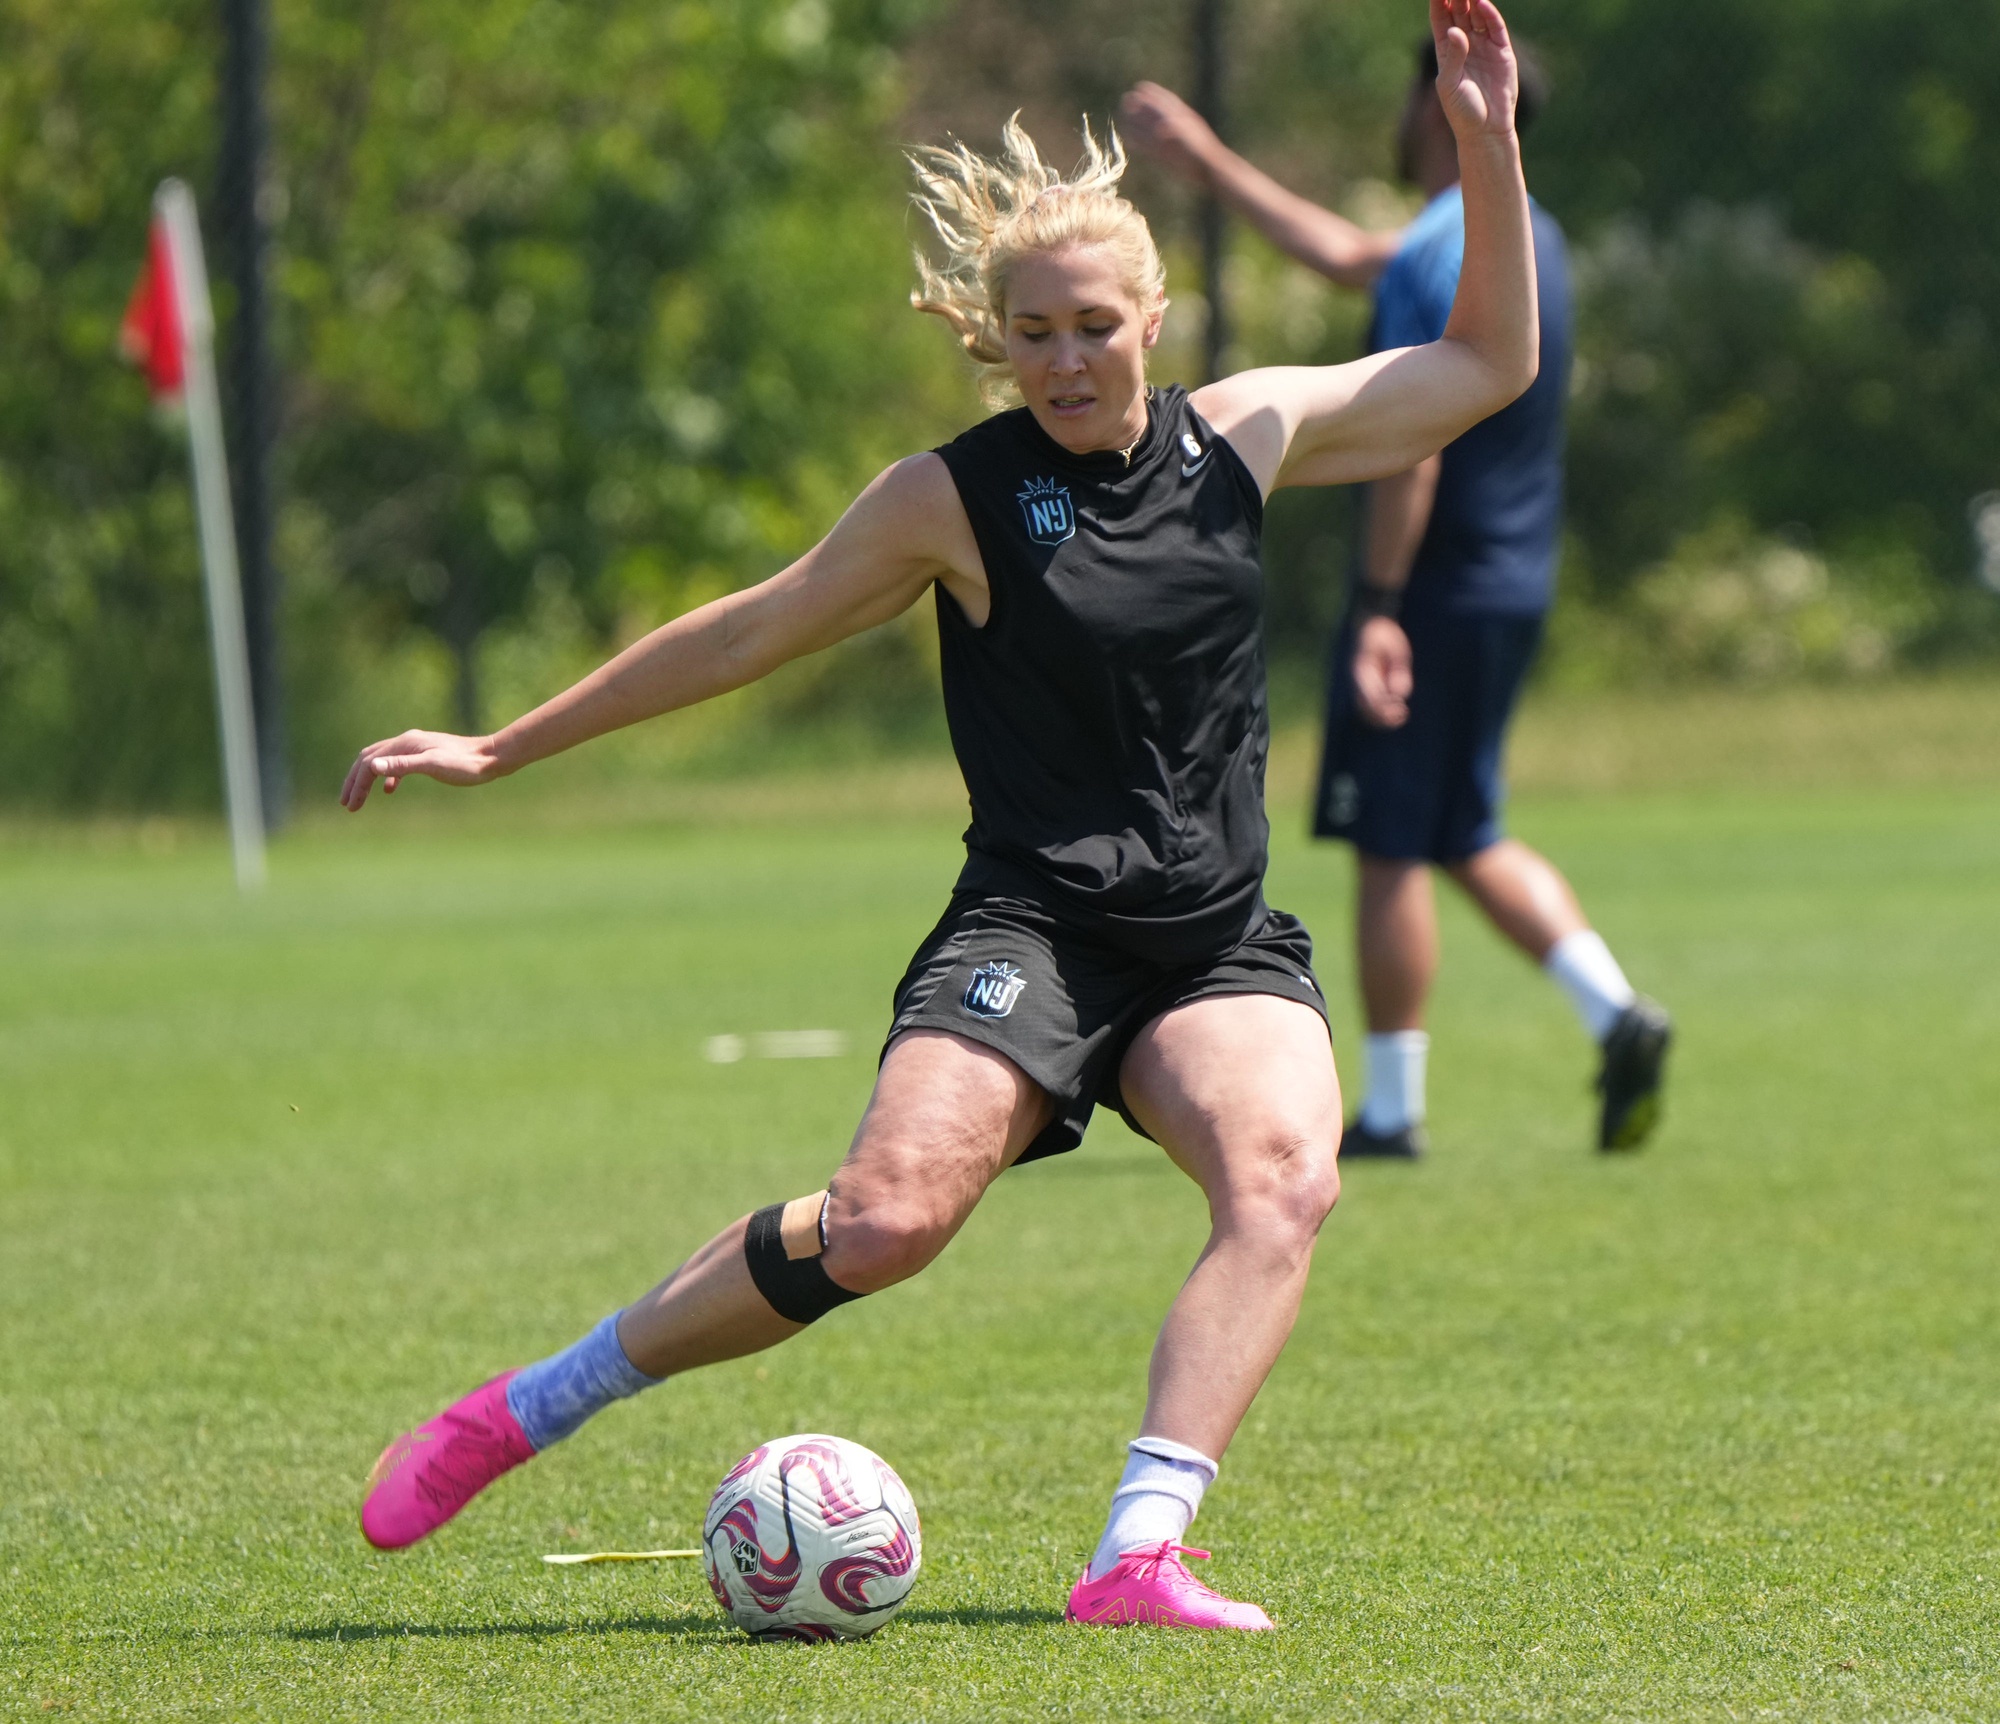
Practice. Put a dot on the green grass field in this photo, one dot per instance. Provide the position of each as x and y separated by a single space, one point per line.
1713 1432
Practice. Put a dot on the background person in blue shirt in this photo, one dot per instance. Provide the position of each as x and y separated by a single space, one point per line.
1454 576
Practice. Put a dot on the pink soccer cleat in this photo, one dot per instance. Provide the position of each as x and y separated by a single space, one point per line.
427 1475
1153 1585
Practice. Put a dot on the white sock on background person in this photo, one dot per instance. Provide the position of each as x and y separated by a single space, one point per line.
1584 968
1156 1500
1396 1063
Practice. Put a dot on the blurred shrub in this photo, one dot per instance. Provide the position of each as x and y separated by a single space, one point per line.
1792 299
1729 604
1724 370
1755 487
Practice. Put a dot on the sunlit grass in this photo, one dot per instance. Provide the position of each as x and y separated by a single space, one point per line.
1709 1432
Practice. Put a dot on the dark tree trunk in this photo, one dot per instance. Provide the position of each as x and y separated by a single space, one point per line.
1208 102
242 226
462 621
465 684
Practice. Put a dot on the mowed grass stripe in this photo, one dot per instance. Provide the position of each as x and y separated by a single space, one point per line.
1692 1434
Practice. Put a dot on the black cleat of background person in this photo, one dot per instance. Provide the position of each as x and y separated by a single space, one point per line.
1357 1142
1635 1058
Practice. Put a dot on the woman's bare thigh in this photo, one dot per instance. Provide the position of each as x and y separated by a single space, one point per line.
1234 1079
947 1118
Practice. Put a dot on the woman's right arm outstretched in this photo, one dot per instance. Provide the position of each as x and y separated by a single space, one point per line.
903 532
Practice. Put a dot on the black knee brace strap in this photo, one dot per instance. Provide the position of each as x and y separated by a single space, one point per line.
783 1249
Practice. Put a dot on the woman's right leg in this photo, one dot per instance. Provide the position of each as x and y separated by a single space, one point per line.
946 1118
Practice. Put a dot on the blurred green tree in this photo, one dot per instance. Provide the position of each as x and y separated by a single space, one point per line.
596 304
1789 300
103 697
591 312
1791 297
597 301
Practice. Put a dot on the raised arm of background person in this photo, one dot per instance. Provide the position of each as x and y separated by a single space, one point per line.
1165 127
903 532
1399 512
1340 424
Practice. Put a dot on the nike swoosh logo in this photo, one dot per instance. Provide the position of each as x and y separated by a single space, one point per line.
1190 468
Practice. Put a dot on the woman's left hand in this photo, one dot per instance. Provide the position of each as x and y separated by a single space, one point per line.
1478 79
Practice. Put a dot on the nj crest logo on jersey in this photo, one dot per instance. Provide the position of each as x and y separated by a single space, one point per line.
993 990
1045 507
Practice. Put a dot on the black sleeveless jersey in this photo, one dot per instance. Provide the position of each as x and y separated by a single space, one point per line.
1110 717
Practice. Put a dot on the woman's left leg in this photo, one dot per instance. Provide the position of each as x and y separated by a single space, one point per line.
1241 1092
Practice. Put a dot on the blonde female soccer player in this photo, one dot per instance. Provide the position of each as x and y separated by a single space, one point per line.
1094 554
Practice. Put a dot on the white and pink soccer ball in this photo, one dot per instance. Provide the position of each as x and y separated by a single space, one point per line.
811 1538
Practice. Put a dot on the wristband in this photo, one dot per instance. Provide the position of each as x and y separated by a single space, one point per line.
1373 601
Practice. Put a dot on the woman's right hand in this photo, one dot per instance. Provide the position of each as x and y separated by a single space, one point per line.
419 753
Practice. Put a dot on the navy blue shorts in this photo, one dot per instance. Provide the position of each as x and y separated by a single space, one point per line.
1430 790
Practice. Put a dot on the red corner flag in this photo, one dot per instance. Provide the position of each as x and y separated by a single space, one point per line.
154 331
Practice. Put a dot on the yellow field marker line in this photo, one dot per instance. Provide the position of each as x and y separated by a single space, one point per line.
566 1557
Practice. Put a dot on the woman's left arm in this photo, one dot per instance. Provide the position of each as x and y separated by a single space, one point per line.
1338 424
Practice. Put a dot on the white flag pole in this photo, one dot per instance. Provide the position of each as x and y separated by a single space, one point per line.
175 205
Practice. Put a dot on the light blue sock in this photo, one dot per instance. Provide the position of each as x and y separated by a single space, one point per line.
553 1397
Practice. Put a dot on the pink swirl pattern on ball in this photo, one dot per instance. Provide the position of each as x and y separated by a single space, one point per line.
839 1501
773 1579
744 1468
842 1579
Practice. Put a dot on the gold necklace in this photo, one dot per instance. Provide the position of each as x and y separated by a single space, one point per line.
1125 454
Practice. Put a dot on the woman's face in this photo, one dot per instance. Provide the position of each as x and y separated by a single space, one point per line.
1077 340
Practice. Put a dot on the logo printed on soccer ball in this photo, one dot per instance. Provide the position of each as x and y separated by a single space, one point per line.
993 990
745 1555
1045 507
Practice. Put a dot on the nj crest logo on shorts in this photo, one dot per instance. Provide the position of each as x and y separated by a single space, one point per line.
993 990
1343 800
1045 506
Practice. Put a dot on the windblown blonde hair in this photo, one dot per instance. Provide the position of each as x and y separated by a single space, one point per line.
990 212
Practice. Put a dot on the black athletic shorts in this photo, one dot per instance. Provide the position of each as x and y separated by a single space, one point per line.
1015 976
1430 790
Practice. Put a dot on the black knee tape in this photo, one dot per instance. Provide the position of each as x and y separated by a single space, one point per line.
796 1287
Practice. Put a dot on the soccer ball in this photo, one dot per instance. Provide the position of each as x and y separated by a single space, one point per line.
811 1538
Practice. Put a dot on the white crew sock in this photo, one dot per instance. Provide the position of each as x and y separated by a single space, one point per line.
1155 1500
1396 1064
1582 963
